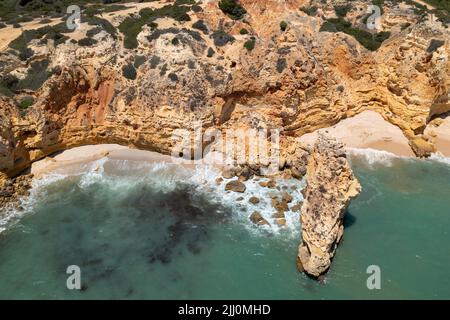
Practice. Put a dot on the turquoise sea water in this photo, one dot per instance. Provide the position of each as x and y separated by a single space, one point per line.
136 237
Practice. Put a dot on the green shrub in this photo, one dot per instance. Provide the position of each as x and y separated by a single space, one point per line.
283 25
210 53
175 41
154 61
139 61
92 32
281 65
405 26
45 21
434 45
87 42
173 77
16 25
221 38
8 85
25 54
250 44
342 10
196 8
129 72
163 70
232 8
310 11
328 26
2 25
26 102
153 26
243 31
200 25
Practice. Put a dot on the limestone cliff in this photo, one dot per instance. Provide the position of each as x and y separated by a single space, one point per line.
331 186
189 64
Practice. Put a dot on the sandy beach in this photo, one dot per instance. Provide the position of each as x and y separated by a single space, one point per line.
366 130
72 160
81 159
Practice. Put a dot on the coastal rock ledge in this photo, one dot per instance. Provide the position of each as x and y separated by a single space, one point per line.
331 186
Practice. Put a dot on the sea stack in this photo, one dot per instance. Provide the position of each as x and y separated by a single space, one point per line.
331 186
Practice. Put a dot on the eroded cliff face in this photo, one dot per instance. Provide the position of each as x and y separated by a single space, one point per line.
296 80
331 186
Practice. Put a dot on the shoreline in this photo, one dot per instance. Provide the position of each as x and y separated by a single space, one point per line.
366 130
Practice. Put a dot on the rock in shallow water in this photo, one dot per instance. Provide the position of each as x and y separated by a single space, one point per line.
258 219
236 186
330 187
254 200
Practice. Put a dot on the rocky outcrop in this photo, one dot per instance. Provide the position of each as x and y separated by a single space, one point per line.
12 190
331 186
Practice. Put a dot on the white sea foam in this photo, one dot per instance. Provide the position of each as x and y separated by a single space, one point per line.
440 158
372 156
